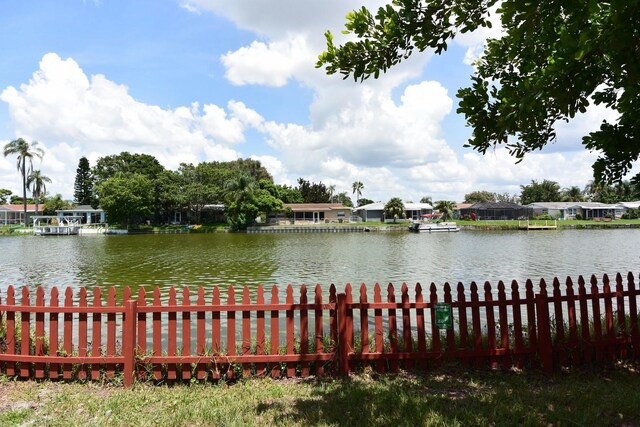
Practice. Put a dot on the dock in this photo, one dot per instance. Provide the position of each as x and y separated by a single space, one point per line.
522 225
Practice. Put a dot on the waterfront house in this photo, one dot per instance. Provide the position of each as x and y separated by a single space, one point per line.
624 207
311 213
14 214
596 210
83 214
569 210
496 211
459 208
375 211
556 210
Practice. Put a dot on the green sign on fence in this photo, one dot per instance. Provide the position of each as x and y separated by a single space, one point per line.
444 316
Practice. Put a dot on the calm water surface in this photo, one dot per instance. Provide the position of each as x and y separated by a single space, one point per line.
311 258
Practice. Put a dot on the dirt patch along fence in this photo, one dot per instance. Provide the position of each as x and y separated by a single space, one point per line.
208 336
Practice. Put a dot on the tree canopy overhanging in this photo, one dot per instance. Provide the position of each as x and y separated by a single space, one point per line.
553 60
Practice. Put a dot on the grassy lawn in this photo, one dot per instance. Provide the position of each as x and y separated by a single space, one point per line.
447 397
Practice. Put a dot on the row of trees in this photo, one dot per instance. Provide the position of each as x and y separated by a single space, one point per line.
550 191
134 188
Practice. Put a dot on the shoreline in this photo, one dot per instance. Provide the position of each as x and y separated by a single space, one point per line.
346 228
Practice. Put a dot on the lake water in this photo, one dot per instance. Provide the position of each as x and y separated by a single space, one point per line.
311 258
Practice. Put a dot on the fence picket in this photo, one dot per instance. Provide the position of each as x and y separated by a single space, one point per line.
462 319
172 335
504 325
291 369
53 333
451 337
201 346
231 329
68 334
186 332
475 323
319 334
572 319
612 349
25 332
246 331
216 339
11 331
379 327
597 321
517 324
491 324
333 326
141 350
406 325
96 338
393 329
260 333
584 320
275 332
435 332
304 330
622 319
157 333
364 320
39 344
111 332
82 331
633 315
420 326
559 323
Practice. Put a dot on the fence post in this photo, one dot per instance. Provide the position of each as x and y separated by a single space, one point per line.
343 351
129 340
545 350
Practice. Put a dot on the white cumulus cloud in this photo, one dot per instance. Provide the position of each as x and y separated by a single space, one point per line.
75 115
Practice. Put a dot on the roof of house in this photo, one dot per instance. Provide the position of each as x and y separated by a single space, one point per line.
310 207
460 206
630 205
593 205
18 208
496 205
552 205
80 208
379 206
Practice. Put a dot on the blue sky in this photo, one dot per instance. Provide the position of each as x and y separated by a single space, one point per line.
213 80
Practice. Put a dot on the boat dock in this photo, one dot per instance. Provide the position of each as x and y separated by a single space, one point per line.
308 229
522 225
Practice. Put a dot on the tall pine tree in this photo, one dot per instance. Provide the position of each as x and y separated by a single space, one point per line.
83 187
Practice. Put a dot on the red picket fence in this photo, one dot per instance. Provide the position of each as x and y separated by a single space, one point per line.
211 336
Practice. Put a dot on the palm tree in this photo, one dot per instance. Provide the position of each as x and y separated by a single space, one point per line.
357 190
36 183
445 207
394 209
240 188
240 209
573 194
331 189
25 151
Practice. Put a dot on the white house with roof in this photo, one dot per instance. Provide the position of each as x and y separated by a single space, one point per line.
569 210
375 211
558 210
625 206
83 214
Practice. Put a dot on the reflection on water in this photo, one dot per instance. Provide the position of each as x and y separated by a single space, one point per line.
238 259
